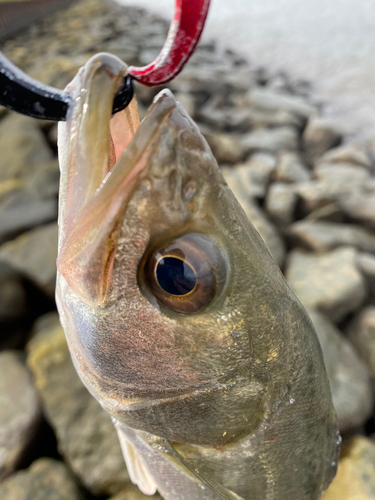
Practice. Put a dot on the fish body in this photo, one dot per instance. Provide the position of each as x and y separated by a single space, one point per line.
178 319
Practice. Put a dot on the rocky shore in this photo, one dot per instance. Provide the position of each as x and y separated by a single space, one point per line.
310 195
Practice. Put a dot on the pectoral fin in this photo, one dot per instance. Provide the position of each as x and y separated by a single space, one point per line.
137 470
154 462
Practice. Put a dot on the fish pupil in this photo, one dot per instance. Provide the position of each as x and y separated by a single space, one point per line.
175 276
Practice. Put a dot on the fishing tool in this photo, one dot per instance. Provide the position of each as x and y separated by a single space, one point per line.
24 94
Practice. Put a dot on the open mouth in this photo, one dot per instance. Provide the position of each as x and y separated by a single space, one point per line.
102 159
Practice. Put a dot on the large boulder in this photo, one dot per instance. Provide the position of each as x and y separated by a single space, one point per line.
330 282
355 479
348 377
45 479
20 413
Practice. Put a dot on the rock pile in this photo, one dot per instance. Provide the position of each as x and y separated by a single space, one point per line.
311 198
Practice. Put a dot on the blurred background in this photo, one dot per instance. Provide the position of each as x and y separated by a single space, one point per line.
283 93
331 44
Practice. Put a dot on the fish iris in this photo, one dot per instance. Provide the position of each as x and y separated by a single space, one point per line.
185 274
175 276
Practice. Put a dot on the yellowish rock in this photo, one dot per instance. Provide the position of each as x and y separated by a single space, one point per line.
355 478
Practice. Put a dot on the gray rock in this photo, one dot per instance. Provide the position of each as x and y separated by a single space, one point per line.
348 377
330 283
319 136
321 236
272 140
344 191
23 214
226 148
244 118
361 333
132 492
23 147
248 117
85 433
20 413
239 79
45 479
12 298
278 83
187 102
256 173
291 169
330 212
269 99
341 173
366 264
264 227
33 255
359 204
26 157
356 154
280 203
199 79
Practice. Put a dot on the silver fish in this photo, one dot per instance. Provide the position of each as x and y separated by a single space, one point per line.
178 319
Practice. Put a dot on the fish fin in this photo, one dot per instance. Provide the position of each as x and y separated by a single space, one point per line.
137 471
216 488
175 479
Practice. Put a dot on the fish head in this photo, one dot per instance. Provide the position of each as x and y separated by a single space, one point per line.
167 293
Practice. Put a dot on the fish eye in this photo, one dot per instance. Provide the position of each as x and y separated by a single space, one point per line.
185 274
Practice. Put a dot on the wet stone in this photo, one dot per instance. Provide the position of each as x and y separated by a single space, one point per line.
243 118
33 255
187 102
85 434
319 136
226 148
265 228
20 413
23 213
272 140
12 295
256 173
348 377
355 154
355 479
270 99
330 212
344 191
248 117
291 169
280 203
132 492
359 204
45 479
361 333
330 283
366 264
322 236
23 147
341 173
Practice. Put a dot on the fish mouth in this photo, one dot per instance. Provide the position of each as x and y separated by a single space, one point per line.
101 160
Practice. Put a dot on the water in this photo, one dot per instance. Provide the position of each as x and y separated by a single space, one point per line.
331 43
